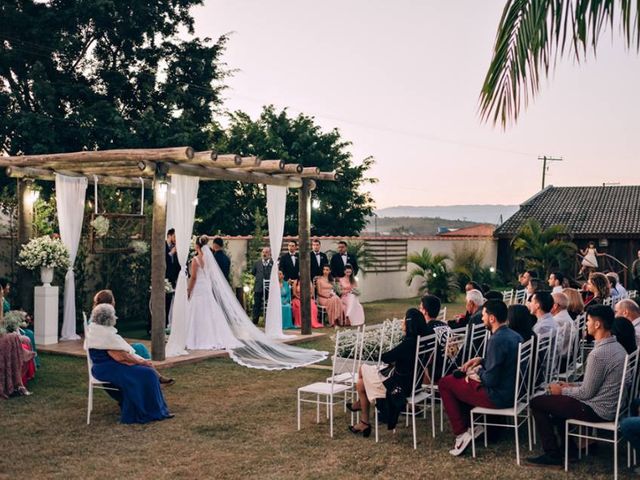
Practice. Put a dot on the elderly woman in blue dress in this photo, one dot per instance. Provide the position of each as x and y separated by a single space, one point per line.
114 361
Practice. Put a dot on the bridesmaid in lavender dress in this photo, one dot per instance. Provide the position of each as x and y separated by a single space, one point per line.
353 310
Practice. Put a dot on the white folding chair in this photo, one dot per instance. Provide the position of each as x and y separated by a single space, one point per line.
607 301
325 393
477 343
507 296
518 412
93 382
632 294
425 349
628 379
541 374
520 297
442 316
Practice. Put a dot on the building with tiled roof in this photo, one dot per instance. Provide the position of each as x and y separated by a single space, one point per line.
606 215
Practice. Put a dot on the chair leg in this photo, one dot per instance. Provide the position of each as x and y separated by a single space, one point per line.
330 408
473 436
413 425
298 410
615 456
376 421
566 447
89 404
433 415
515 421
317 408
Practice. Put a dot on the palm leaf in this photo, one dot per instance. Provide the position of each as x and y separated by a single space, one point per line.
532 33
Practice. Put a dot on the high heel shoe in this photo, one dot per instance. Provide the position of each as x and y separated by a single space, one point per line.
365 433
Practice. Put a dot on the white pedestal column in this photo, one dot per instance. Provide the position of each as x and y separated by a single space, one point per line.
45 320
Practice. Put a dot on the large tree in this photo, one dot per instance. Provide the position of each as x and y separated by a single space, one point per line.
229 207
531 35
101 74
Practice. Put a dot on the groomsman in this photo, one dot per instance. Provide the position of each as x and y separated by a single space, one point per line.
223 260
318 259
171 258
261 271
340 259
289 262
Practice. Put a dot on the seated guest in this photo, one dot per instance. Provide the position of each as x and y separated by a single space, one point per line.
295 307
285 298
525 277
540 306
593 400
13 360
622 292
5 289
373 385
625 334
520 320
534 285
597 288
328 299
140 396
630 426
613 284
430 309
139 349
576 304
564 323
353 311
496 375
493 295
630 310
473 313
471 285
556 280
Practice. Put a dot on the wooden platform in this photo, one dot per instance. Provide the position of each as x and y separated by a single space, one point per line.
73 348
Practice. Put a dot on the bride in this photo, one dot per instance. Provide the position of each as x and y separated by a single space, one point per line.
217 318
207 329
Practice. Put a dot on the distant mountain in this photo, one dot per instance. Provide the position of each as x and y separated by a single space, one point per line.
411 225
469 213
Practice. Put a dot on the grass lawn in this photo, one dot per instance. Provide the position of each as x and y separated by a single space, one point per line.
231 422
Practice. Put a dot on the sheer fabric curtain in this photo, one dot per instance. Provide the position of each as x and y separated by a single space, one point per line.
70 196
276 205
181 210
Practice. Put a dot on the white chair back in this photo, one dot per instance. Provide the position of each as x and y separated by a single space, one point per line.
454 350
507 296
348 348
86 337
425 352
477 341
631 381
542 366
520 297
523 374
622 405
442 315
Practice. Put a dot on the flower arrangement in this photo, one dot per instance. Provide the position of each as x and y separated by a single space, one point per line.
101 225
168 288
12 321
337 288
139 247
391 337
44 252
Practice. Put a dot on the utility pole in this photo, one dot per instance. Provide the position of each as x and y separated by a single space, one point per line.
546 159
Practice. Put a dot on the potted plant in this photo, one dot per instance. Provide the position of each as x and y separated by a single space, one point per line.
44 253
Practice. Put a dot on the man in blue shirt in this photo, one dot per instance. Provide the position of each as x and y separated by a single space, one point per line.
496 374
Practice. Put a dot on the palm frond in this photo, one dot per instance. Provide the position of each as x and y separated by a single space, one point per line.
532 33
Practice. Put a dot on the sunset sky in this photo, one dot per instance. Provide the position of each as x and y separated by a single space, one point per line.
401 81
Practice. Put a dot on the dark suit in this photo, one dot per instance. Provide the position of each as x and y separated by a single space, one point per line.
223 262
316 269
290 269
172 265
261 271
337 265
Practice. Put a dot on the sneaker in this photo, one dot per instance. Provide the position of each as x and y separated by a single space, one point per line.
479 432
462 442
546 460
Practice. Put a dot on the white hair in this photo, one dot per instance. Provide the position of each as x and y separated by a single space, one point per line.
629 305
104 314
476 297
561 300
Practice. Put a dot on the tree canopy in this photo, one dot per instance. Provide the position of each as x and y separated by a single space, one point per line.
275 134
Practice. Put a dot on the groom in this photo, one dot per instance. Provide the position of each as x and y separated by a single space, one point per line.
223 260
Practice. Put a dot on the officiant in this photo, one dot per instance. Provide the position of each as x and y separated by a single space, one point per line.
261 271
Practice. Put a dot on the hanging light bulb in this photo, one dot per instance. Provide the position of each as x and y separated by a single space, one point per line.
315 204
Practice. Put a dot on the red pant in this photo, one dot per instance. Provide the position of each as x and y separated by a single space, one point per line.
459 397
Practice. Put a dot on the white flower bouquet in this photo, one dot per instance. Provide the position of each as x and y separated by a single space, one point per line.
12 321
337 288
101 225
168 288
44 252
139 247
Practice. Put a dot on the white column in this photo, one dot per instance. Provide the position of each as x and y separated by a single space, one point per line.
45 320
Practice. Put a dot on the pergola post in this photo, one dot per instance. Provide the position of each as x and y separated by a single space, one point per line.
25 233
304 232
158 267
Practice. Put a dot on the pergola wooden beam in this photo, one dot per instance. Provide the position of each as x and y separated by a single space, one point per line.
212 173
175 154
49 175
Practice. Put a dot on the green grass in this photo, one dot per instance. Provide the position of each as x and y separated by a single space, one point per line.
231 422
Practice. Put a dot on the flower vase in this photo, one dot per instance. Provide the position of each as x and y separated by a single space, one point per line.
46 276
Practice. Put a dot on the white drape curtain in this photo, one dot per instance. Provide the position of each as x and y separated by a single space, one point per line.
70 197
276 205
181 210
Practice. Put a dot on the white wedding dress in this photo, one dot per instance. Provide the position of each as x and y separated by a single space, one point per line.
206 326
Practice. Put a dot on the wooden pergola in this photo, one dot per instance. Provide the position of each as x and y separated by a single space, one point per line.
151 167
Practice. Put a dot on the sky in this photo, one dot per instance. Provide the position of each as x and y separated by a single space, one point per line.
401 81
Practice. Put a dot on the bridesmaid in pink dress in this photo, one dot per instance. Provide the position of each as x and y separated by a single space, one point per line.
353 310
328 298
295 307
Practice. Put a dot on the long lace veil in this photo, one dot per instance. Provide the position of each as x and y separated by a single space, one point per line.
256 350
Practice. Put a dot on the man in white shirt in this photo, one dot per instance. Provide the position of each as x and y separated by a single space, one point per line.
564 322
555 282
614 280
540 306
630 310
